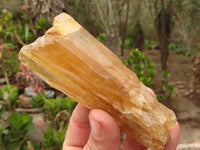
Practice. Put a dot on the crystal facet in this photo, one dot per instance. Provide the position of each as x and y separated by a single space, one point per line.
71 60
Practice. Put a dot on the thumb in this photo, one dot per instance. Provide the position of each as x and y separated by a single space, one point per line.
105 134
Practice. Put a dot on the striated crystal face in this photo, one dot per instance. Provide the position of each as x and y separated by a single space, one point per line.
71 60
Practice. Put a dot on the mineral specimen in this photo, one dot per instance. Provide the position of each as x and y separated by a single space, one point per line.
71 60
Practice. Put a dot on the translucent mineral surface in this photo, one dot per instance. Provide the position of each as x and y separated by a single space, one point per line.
71 60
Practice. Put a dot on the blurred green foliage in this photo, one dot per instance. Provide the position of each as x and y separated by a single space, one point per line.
53 139
150 44
15 33
178 49
54 106
168 88
142 66
57 111
101 37
39 101
16 134
42 24
10 60
128 44
9 96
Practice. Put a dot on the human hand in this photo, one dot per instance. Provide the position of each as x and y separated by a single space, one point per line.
97 130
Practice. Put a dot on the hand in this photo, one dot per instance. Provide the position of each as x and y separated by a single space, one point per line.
97 130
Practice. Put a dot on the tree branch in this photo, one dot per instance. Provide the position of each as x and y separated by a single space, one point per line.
156 7
102 17
137 10
127 12
122 6
110 13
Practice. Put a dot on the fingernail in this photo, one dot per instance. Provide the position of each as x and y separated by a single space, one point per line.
96 128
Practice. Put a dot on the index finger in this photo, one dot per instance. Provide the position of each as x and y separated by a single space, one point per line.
79 128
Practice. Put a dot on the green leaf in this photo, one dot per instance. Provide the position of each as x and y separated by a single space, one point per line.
42 23
14 146
26 33
58 104
48 137
7 18
142 66
53 106
101 37
21 125
39 101
12 92
128 44
1 28
35 146
151 72
59 137
10 46
151 65
68 104
172 88
160 98
166 74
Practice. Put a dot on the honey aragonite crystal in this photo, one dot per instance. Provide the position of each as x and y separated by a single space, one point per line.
71 60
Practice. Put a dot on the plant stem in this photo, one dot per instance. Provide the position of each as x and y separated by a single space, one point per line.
62 125
7 80
6 77
19 39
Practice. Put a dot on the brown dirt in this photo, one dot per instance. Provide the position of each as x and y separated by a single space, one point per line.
186 104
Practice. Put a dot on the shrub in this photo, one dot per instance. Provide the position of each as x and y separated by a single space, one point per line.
9 95
42 24
9 58
53 139
57 113
16 134
54 106
169 89
39 100
142 66
101 37
150 44
128 43
15 31
178 49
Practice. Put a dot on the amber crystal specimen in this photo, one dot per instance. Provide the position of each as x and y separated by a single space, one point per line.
71 60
